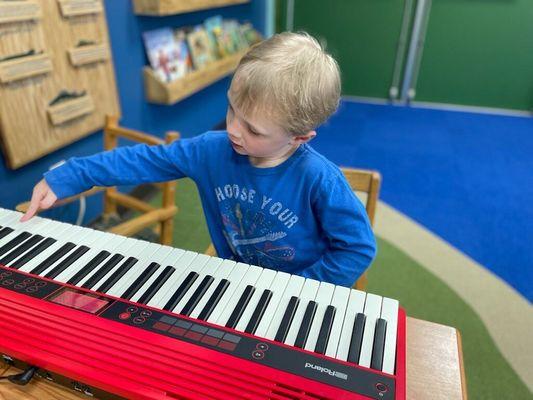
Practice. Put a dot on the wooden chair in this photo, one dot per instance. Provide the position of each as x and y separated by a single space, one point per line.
362 181
150 215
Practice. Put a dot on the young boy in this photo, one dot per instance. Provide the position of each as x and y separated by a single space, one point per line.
269 199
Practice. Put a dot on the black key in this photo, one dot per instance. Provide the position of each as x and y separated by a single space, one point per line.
67 262
286 321
305 327
325 330
180 292
63 250
115 276
24 247
33 252
156 285
140 281
357 338
379 344
213 300
197 295
239 308
14 242
102 271
91 265
258 312
5 231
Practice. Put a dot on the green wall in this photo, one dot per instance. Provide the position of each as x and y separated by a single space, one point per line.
477 52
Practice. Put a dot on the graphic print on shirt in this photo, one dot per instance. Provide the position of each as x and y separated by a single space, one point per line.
255 226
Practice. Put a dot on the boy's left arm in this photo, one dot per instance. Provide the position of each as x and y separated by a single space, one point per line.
351 245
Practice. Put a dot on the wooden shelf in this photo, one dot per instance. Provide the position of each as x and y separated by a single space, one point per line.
169 7
171 92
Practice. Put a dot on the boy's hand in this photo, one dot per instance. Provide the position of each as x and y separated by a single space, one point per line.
42 198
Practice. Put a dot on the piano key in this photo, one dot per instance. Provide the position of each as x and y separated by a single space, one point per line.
323 299
277 288
182 263
325 330
103 270
20 250
34 225
214 299
389 312
106 276
223 270
356 342
5 231
153 253
18 239
227 305
287 319
378 346
97 242
263 282
89 267
305 326
235 278
58 234
240 306
181 290
307 294
54 257
197 295
65 263
293 288
46 243
356 304
157 284
200 264
372 312
258 312
141 279
339 301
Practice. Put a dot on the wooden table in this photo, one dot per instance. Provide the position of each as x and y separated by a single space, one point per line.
434 369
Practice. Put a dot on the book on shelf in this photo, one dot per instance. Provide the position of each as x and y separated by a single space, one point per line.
200 47
213 27
168 58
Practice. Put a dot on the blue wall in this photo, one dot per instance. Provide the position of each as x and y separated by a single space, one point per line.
194 115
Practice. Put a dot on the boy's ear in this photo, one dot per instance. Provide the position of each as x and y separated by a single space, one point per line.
301 139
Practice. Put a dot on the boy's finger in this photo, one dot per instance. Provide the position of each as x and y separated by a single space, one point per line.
48 200
31 211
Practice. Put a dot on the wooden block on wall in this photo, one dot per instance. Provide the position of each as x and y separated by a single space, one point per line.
71 8
24 67
169 7
70 109
16 11
88 54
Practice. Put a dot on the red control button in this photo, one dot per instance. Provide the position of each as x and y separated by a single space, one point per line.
177 331
258 354
193 335
124 315
227 345
381 387
209 340
161 326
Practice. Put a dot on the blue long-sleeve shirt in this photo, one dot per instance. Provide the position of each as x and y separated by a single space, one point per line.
299 217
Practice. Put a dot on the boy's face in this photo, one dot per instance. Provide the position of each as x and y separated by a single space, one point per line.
262 140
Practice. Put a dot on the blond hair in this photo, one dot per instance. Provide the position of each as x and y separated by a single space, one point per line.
290 78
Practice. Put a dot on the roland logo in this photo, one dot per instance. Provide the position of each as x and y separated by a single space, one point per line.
328 371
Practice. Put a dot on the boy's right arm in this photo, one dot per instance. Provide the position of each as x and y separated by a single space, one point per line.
122 166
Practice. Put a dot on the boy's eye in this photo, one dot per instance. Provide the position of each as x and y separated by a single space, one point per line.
254 133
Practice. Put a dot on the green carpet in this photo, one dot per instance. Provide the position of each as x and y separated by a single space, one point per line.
421 294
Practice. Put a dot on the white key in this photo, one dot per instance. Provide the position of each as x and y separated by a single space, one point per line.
340 302
163 264
51 230
389 312
278 287
85 236
203 265
294 287
124 249
264 282
13 223
63 231
158 256
356 304
323 299
249 279
372 312
137 248
307 294
106 241
235 278
222 272
182 265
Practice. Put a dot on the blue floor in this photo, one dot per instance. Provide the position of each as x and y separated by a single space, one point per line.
467 177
